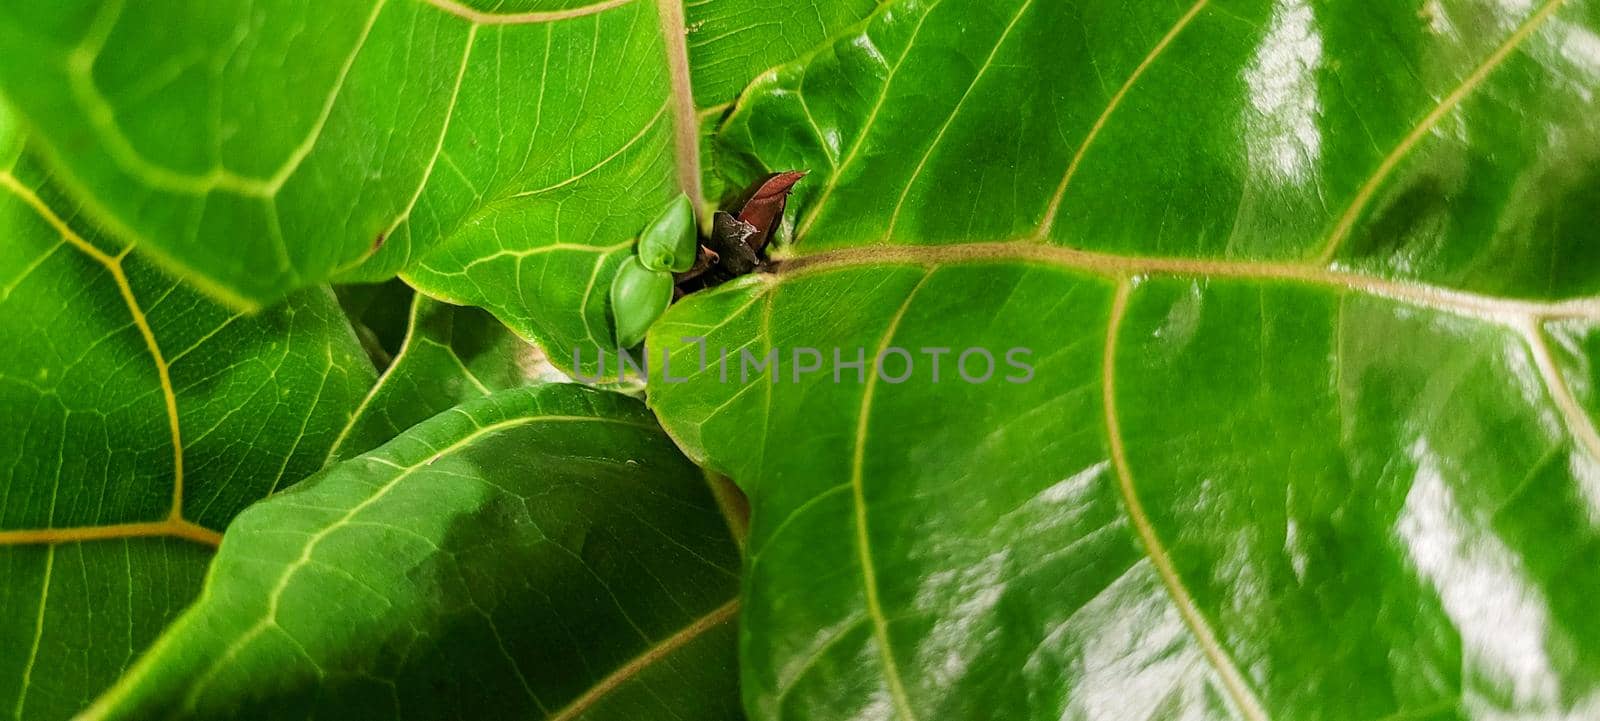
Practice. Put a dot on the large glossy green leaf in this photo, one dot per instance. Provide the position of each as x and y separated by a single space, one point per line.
138 418
451 354
540 553
1308 431
519 147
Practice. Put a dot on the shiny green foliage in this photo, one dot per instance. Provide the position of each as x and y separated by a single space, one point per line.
540 552
497 154
504 155
1202 359
1308 298
450 355
138 419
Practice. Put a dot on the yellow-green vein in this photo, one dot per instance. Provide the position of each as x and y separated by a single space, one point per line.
685 119
1054 207
173 524
1347 219
1500 310
1232 681
869 573
988 63
815 211
38 632
718 616
1576 419
480 17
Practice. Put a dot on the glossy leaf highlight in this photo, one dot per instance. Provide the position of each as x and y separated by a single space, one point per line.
1307 427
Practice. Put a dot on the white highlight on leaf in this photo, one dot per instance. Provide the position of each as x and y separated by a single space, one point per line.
1483 588
1580 47
1510 13
1438 22
1572 422
965 633
1282 136
955 639
1139 660
1586 474
1294 548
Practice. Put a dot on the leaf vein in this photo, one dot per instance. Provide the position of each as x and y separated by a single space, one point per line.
1363 197
479 17
1054 207
1233 682
955 112
113 265
1464 303
869 575
1578 422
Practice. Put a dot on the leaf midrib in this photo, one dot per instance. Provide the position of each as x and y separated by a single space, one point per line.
685 117
481 17
1523 316
1112 265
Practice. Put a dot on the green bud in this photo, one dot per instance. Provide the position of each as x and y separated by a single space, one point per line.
670 242
639 296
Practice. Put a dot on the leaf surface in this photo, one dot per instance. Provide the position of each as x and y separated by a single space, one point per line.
1303 424
140 417
451 354
542 552
523 145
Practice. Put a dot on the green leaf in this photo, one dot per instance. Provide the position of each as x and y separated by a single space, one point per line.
523 146
139 418
730 42
543 552
1308 425
451 354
